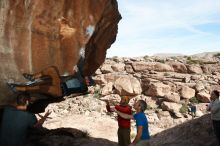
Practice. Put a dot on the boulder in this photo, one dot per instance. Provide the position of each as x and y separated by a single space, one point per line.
197 77
107 89
163 114
129 69
106 68
33 38
161 67
178 67
158 89
172 97
156 66
187 92
194 69
112 77
98 72
127 85
141 66
99 79
172 107
199 113
119 67
199 86
203 96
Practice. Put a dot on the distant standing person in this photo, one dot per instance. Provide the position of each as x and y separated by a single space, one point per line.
142 138
192 107
214 107
124 125
16 122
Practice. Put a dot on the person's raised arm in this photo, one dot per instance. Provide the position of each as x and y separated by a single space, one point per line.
123 115
42 119
108 107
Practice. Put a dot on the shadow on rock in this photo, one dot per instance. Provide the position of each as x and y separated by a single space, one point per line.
197 132
65 137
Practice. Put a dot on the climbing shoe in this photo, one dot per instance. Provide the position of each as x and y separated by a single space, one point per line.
28 76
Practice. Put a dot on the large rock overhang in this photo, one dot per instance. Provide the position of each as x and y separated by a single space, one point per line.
32 38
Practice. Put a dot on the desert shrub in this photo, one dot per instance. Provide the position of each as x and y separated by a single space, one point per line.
217 55
189 58
174 58
146 57
193 100
116 59
160 60
166 74
184 109
195 62
97 93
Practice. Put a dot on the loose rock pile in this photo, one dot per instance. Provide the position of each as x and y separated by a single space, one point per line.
167 85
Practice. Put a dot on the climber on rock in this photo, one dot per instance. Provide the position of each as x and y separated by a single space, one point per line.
49 82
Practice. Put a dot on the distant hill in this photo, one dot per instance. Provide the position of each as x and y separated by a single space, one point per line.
205 54
167 54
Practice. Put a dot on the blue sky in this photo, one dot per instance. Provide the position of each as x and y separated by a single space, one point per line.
167 26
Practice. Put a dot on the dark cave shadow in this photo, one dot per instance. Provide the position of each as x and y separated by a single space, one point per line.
65 137
197 132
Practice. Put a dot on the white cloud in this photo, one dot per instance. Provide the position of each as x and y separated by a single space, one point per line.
153 26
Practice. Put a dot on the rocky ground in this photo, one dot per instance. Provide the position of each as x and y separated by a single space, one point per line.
167 84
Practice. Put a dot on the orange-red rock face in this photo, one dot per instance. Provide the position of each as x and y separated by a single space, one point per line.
32 38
